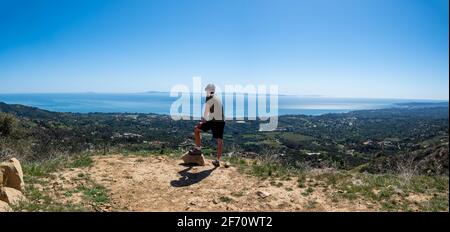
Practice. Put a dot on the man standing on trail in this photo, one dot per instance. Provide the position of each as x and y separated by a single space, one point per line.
213 119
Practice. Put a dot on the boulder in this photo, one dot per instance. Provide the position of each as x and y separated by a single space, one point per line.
11 195
2 177
194 159
4 207
12 174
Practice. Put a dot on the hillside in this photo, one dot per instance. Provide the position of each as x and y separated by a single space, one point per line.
377 138
145 182
370 160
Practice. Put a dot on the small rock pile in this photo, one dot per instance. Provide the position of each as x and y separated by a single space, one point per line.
12 185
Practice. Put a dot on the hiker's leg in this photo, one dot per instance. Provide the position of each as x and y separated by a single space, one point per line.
197 132
219 148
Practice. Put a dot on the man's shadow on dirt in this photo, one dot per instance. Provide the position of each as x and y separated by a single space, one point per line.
187 178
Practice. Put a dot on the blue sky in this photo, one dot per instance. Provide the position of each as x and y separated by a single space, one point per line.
342 48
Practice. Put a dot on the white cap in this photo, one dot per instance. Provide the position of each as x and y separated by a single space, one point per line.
210 88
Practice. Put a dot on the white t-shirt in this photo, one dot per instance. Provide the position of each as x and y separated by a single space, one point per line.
215 109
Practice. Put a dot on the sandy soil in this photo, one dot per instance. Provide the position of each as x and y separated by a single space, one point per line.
159 183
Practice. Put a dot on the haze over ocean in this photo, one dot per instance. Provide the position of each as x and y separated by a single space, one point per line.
160 102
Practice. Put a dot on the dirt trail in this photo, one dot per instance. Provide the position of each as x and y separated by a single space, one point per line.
159 183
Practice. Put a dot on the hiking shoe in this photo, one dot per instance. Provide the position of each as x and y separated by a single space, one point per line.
195 151
216 163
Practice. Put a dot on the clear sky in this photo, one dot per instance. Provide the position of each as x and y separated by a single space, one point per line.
336 48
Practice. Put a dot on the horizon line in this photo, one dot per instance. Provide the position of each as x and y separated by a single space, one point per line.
285 94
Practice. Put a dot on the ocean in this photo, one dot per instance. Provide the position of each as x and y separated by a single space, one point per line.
160 102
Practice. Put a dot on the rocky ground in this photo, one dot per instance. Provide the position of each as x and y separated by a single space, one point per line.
162 183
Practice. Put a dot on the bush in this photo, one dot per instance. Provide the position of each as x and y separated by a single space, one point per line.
8 125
